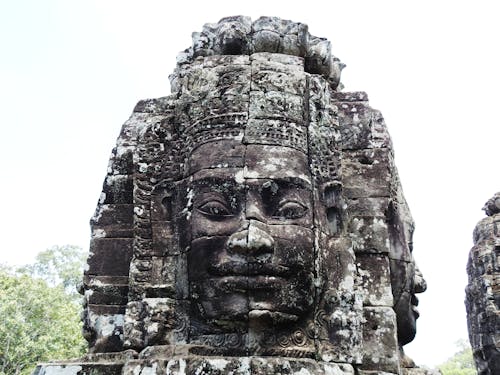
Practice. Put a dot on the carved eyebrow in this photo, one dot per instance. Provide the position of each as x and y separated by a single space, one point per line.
287 181
298 181
214 181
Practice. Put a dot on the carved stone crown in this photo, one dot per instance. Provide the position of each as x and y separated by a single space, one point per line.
238 35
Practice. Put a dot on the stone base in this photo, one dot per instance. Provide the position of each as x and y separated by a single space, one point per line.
196 365
172 360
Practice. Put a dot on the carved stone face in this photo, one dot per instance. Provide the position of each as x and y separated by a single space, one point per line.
406 281
251 242
407 302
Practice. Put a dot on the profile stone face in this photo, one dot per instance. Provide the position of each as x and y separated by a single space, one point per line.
483 292
253 221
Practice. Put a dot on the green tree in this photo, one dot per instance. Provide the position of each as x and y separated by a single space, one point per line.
461 363
40 311
59 265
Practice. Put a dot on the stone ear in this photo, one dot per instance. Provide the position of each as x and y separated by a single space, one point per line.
331 194
162 202
400 233
162 219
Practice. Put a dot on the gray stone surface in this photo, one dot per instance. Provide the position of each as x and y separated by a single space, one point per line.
251 222
193 364
483 291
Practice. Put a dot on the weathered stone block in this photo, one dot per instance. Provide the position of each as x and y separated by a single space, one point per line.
420 371
230 154
235 366
369 234
485 230
276 62
290 366
361 126
78 368
367 173
270 132
121 161
325 117
117 189
164 240
293 82
198 83
216 106
106 324
380 346
331 251
330 214
278 162
350 96
276 104
401 270
113 221
113 214
374 207
107 294
380 135
109 256
324 155
141 270
356 125
320 91
375 279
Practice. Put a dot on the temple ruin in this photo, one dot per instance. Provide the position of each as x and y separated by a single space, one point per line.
483 291
252 222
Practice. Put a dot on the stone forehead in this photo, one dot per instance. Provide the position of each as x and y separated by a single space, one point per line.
233 160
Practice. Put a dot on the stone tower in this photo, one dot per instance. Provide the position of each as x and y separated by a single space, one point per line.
253 221
483 291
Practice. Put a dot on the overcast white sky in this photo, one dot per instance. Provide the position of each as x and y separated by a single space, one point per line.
72 71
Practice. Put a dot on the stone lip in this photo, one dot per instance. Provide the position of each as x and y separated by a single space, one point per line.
239 35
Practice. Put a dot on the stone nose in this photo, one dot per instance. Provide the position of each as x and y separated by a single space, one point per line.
254 210
251 241
419 283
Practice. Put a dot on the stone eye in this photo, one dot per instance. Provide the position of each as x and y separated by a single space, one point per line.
290 210
214 208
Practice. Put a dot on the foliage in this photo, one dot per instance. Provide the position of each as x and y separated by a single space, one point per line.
461 363
40 313
59 265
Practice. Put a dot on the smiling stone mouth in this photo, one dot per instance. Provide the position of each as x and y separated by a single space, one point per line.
249 269
243 282
415 311
414 304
